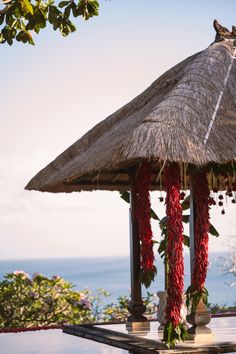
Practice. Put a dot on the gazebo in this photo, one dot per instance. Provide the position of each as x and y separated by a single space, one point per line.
178 135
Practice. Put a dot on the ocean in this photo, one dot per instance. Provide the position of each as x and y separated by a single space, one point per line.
112 274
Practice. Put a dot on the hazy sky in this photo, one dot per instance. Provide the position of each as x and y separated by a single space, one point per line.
54 92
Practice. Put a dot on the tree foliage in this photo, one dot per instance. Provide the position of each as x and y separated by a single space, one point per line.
41 301
19 19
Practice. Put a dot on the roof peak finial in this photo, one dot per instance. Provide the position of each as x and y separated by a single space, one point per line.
223 32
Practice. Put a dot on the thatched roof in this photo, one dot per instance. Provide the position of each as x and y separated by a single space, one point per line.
187 115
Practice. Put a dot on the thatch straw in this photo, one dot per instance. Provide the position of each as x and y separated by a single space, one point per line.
171 120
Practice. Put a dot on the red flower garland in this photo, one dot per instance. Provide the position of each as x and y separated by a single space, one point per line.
174 244
142 214
201 194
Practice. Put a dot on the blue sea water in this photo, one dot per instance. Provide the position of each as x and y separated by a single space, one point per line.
112 274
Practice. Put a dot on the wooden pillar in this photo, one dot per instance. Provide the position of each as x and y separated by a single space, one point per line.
191 229
136 308
200 318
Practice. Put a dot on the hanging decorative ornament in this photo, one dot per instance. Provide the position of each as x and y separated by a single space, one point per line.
173 328
197 292
201 227
142 214
222 182
212 201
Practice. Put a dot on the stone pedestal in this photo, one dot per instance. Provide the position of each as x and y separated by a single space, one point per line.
161 316
199 319
136 322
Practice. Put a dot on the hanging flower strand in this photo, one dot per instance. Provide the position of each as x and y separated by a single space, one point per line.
142 214
201 193
174 331
202 223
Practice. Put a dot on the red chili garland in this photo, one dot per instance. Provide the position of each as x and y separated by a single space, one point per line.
202 223
174 244
142 214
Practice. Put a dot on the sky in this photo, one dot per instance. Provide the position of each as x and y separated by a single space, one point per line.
52 93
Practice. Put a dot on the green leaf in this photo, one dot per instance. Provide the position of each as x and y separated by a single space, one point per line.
67 11
125 196
204 290
19 36
28 6
74 9
65 30
72 27
195 301
31 24
189 289
55 24
174 334
30 38
186 240
146 277
52 14
154 215
213 231
88 8
9 19
186 203
9 40
1 18
64 3
162 246
185 218
93 8
163 222
204 298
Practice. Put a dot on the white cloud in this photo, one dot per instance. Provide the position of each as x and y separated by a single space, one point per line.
35 224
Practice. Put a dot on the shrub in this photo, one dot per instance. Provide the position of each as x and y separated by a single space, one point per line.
40 301
27 302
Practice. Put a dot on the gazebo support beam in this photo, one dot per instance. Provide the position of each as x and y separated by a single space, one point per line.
191 230
136 321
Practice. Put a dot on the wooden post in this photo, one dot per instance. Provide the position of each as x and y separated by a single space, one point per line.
191 229
136 308
200 318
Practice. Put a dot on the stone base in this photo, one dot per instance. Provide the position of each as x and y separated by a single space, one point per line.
200 334
138 327
201 338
